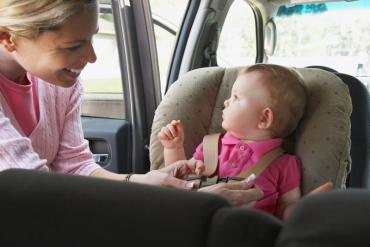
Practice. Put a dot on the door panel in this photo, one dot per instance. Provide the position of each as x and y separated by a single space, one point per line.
119 105
107 139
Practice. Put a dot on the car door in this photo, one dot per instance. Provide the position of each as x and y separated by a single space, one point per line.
123 88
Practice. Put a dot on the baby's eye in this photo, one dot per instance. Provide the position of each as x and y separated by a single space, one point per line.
235 97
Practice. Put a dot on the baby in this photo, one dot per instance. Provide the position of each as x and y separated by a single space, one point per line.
267 101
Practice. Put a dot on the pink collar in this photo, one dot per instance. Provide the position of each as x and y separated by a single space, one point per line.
259 147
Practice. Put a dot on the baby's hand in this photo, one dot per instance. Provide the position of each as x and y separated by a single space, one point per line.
172 135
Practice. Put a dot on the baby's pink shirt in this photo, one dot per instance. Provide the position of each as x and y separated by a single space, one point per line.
56 143
281 176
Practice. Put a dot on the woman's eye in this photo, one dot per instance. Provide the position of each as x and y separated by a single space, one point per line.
73 48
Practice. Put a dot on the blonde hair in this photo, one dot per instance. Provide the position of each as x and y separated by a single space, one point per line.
28 18
287 95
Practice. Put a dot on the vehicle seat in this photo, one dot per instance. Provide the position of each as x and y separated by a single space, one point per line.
322 139
360 130
50 209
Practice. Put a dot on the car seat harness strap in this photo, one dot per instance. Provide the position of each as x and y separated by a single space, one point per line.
210 153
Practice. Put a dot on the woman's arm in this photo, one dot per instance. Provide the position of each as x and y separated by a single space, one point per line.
287 202
238 194
74 155
170 176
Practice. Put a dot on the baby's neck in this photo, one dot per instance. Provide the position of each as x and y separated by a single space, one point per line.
258 137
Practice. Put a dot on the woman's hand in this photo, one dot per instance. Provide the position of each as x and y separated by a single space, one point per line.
172 175
322 188
239 194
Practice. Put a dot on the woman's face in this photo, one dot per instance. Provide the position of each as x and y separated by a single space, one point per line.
58 56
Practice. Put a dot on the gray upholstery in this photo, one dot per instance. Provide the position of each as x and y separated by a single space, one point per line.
360 132
46 209
360 129
337 218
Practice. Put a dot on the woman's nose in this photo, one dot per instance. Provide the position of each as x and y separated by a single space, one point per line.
91 55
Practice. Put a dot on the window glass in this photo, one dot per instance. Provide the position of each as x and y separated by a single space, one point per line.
336 35
167 17
102 80
104 75
237 44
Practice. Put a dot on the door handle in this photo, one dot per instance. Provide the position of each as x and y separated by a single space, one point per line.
101 159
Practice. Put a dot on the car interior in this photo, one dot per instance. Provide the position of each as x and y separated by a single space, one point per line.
333 138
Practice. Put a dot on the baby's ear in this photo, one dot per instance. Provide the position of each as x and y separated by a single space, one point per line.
266 118
7 40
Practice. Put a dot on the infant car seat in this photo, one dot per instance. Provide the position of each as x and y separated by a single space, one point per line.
322 139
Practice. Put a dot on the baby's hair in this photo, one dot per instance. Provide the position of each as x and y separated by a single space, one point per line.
29 18
287 95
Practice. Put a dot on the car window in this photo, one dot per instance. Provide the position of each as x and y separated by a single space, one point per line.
336 35
167 17
102 80
237 43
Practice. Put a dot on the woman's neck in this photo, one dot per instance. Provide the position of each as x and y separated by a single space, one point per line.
11 68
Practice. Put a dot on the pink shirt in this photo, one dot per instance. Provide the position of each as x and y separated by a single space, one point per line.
23 100
56 143
281 176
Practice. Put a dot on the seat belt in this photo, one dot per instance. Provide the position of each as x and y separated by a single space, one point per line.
210 153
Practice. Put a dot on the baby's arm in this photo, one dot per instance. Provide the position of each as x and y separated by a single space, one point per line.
287 202
172 139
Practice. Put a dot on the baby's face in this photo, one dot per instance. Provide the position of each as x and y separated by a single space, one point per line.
243 109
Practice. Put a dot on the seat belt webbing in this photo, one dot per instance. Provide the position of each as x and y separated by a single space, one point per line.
210 153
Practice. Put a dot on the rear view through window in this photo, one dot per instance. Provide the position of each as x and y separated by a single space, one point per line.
336 35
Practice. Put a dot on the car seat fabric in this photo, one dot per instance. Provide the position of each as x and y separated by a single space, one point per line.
360 131
239 227
335 218
49 209
322 139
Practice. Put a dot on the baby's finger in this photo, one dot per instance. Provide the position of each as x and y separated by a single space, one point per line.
179 126
165 132
162 136
172 130
175 122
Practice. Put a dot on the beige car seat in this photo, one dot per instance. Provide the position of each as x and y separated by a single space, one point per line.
322 139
